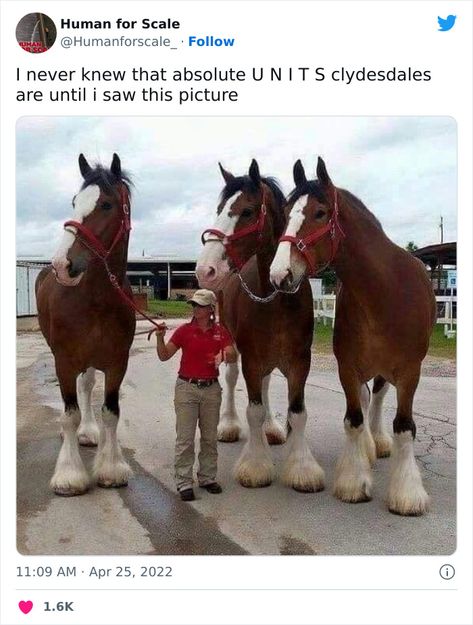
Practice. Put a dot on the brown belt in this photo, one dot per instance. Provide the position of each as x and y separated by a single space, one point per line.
198 382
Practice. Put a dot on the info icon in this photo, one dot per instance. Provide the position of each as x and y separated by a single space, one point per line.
36 32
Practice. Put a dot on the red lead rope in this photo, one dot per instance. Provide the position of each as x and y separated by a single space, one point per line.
88 238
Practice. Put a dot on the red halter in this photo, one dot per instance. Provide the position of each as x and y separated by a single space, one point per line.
227 240
88 238
96 246
331 228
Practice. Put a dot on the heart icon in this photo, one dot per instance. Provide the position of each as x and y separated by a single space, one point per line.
25 606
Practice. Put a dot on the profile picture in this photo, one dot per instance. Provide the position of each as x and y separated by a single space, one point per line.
36 32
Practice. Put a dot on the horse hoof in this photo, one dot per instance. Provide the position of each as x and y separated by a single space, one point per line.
303 476
252 484
309 488
228 433
409 507
111 484
275 434
112 476
254 475
275 438
383 445
69 492
353 492
85 441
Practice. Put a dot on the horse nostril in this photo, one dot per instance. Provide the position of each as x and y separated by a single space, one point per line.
76 267
211 271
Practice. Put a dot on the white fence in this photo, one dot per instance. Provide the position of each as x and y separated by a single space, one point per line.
324 310
25 295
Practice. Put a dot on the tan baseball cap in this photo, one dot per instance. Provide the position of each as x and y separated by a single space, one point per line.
203 297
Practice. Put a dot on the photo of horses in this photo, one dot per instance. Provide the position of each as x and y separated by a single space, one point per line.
330 244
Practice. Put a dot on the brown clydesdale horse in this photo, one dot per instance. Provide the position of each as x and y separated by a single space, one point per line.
384 318
88 326
274 334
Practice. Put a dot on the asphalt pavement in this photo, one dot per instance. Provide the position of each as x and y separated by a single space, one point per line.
147 516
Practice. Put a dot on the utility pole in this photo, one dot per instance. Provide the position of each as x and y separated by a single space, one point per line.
441 229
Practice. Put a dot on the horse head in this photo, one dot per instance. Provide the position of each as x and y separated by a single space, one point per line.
100 222
247 216
313 231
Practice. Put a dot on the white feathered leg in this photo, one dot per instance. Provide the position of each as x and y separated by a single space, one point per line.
110 468
255 467
301 471
368 441
70 476
229 427
353 480
88 432
272 428
382 438
406 493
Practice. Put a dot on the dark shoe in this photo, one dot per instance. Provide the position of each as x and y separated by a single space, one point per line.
213 488
187 494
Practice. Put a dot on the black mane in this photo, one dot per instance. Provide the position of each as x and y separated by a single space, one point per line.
105 179
245 184
314 188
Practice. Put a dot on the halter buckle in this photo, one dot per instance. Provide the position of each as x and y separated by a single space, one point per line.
301 246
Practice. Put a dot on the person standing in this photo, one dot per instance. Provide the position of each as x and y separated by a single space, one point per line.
205 344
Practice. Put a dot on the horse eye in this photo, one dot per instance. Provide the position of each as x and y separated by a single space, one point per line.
246 212
107 206
319 214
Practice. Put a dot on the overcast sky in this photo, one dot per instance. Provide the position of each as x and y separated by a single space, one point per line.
402 168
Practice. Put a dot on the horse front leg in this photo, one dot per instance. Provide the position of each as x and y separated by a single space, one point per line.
110 468
301 471
368 440
382 438
229 427
273 430
88 432
70 475
406 493
353 479
254 467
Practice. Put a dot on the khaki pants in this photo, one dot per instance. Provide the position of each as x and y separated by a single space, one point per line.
196 405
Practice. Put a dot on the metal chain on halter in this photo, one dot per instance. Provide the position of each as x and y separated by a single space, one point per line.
253 296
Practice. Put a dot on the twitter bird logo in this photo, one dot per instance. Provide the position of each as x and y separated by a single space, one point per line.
447 23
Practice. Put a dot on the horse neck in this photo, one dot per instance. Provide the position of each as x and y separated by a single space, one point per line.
116 263
360 263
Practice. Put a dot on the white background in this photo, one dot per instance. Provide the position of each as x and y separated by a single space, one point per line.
375 34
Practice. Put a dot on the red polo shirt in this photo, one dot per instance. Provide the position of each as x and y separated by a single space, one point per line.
199 348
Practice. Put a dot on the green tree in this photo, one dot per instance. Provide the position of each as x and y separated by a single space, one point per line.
411 246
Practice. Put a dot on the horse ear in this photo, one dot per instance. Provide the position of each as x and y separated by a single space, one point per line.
254 173
227 176
299 173
322 174
84 166
116 167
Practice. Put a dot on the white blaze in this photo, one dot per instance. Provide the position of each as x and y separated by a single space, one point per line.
84 204
282 261
212 255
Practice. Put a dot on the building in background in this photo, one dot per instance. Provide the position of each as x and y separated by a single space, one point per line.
159 277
